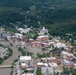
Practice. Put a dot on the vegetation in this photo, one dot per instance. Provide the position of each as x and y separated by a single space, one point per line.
10 51
11 44
22 51
69 71
38 72
33 34
74 72
43 55
15 60
1 60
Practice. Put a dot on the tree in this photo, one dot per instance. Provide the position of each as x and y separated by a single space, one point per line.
1 60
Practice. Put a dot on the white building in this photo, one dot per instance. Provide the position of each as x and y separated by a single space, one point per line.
53 65
25 58
26 30
64 54
18 35
59 45
28 74
43 31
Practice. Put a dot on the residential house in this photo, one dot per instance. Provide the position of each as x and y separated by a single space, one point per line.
43 38
67 64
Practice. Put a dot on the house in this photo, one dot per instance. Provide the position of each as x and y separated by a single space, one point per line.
67 64
59 45
23 65
43 38
53 65
47 71
41 64
35 43
53 59
66 54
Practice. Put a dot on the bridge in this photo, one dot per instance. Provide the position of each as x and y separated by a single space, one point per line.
5 66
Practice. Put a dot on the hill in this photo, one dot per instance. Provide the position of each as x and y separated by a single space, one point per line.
59 16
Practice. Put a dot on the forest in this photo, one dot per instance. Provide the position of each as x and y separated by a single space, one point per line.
59 16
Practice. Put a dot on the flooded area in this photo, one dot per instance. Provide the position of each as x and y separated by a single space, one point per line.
16 53
5 71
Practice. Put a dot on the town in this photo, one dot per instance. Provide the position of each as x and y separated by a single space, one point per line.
33 51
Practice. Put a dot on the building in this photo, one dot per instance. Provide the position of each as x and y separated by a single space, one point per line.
66 54
43 31
59 45
67 64
53 65
23 65
18 35
43 38
53 59
26 30
25 58
41 64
